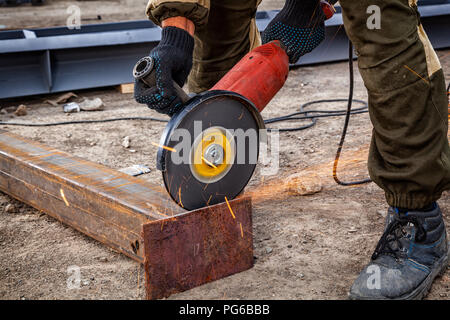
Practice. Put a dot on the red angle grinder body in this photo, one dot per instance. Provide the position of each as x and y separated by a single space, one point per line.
259 75
209 150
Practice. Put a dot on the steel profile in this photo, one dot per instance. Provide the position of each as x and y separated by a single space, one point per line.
180 250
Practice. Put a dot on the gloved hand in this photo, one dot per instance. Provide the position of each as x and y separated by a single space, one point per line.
173 62
299 26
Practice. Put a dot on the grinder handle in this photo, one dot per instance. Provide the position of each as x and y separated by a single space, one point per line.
145 71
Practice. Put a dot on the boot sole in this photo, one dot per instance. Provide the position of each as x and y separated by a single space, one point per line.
422 290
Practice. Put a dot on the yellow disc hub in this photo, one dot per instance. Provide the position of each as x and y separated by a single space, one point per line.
213 154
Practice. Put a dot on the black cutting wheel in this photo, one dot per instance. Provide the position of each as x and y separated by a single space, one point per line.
217 154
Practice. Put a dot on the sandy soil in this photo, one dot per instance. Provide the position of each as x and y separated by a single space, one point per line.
55 12
306 247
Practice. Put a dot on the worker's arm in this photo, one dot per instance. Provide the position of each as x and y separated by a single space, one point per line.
299 26
173 55
196 11
180 22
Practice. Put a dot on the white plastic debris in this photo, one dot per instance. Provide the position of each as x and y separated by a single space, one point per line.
136 170
71 107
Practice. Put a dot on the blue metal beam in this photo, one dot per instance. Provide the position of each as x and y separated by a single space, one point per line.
49 60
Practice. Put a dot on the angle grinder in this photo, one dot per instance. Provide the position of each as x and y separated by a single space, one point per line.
209 150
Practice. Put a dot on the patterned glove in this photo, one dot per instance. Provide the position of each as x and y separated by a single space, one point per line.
173 62
299 26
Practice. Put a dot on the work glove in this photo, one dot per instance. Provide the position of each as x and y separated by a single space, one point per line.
173 62
299 26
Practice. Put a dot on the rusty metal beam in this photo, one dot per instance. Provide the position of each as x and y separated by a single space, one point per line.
180 250
201 246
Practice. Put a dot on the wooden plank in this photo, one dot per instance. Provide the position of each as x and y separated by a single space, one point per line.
126 88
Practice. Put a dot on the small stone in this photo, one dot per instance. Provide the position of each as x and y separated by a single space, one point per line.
85 282
289 246
352 230
103 259
92 105
10 109
126 142
21 110
93 144
301 275
303 184
382 213
132 150
69 135
10 208
269 250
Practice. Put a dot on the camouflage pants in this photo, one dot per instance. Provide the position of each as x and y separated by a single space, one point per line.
409 154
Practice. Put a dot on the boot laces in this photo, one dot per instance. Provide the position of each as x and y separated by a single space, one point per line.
390 243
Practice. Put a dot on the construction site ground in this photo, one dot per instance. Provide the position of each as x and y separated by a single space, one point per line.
305 247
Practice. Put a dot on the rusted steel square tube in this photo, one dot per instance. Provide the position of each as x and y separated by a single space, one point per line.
197 247
130 215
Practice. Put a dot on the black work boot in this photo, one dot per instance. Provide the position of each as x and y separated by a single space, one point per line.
412 251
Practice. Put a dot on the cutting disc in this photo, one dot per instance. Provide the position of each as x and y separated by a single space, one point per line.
209 151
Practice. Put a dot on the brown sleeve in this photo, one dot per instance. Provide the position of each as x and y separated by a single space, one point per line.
195 10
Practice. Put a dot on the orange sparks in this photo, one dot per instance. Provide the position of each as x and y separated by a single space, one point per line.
209 163
164 147
209 200
242 231
229 207
426 81
156 210
63 196
179 197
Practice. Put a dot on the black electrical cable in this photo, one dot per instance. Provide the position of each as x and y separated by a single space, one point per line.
347 120
62 123
313 115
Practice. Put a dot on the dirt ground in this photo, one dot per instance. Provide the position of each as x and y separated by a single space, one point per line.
306 247
56 12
